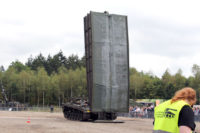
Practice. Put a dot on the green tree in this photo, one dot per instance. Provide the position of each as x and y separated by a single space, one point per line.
2 69
79 79
71 82
25 84
9 80
180 80
196 81
63 83
136 84
73 62
158 90
42 84
39 61
18 66
55 62
54 93
168 86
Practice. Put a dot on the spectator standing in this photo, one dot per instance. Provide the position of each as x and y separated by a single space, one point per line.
176 115
51 108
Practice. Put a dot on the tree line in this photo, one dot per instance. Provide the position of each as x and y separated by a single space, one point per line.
147 86
45 81
56 79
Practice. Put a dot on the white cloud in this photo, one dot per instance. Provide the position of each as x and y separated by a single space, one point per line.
159 64
162 34
148 62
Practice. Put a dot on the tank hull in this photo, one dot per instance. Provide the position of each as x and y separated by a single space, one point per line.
76 112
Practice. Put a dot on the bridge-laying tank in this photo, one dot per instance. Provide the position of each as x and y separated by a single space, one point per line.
107 66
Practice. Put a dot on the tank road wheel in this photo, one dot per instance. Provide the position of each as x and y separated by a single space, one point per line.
66 112
79 116
70 116
75 114
94 116
71 113
65 115
111 116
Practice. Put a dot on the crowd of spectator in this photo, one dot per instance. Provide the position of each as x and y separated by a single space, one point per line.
196 113
148 112
143 112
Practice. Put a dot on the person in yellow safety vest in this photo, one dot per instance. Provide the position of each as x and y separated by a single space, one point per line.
176 115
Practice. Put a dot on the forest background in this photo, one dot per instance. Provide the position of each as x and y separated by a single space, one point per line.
54 80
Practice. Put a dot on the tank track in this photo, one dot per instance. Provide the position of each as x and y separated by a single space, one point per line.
72 113
79 110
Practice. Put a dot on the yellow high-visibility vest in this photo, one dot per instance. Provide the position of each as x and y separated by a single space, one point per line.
167 115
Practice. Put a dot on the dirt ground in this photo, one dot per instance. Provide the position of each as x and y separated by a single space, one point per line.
46 122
